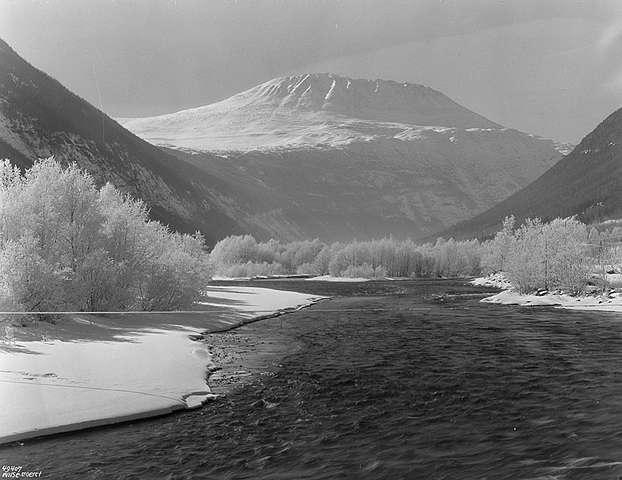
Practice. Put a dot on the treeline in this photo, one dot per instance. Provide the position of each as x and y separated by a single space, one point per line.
66 245
562 254
243 256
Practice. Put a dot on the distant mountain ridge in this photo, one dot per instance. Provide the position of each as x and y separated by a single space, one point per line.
587 183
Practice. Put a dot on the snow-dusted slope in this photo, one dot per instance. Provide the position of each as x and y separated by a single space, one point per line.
353 158
587 182
310 109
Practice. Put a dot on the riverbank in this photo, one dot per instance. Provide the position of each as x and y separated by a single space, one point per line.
605 302
92 370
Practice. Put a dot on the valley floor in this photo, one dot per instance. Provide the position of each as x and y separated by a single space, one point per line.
88 370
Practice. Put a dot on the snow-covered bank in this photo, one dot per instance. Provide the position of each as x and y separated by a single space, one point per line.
605 303
496 280
221 278
611 302
56 386
330 278
319 278
255 301
90 370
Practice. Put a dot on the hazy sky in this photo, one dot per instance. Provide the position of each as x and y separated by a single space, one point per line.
550 67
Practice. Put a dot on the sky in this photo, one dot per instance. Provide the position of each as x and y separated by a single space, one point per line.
548 67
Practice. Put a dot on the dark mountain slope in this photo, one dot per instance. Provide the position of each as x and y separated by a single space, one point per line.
39 118
587 183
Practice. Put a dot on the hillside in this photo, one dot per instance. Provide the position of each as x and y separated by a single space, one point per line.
351 158
587 183
39 118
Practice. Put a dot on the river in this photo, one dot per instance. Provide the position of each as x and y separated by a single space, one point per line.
386 381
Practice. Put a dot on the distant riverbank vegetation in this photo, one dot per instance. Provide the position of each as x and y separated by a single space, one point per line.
67 245
563 254
244 256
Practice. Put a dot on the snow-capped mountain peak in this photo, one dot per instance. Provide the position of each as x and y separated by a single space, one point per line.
313 109
377 100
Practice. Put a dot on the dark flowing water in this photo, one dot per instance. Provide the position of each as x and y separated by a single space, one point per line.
388 383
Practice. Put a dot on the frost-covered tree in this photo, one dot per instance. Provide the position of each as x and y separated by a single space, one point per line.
549 256
66 244
525 265
566 261
497 250
27 281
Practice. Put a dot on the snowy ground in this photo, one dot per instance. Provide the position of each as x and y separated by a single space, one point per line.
260 277
90 370
320 278
496 280
330 278
611 302
585 302
254 301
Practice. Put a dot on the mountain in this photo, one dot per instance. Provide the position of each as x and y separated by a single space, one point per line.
39 118
308 110
335 157
587 183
